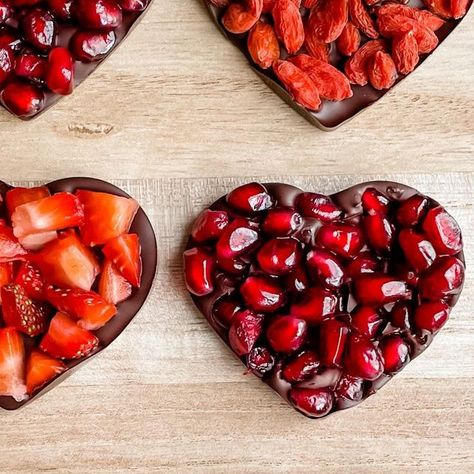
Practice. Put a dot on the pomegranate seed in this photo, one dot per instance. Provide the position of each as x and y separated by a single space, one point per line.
431 316
282 222
279 256
318 206
379 232
262 294
343 239
418 251
10 38
60 8
89 46
301 367
350 388
260 360
198 270
362 359
375 289
60 73
133 5
444 278
400 315
286 333
98 14
325 268
237 238
395 353
250 198
6 11
365 262
442 231
30 66
332 339
312 402
209 225
40 29
224 310
412 210
6 63
22 99
367 321
297 280
234 266
375 202
244 331
315 305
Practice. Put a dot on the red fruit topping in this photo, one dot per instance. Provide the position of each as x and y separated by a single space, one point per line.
260 360
375 289
400 315
6 11
327 18
60 72
12 365
249 198
40 369
198 271
325 268
40 29
350 388
297 281
262 44
282 222
279 256
10 249
395 353
6 63
244 331
61 9
30 279
418 251
262 294
22 99
286 333
224 310
113 287
11 39
431 316
315 305
379 232
17 196
312 402
238 238
30 66
365 262
6 275
367 321
301 367
288 25
89 46
443 232
98 14
373 201
318 206
343 239
362 359
133 5
332 339
412 210
444 278
209 225
240 17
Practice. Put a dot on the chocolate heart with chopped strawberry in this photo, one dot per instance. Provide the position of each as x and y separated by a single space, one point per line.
325 298
70 278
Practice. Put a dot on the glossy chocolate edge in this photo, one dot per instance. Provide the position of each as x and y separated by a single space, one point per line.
350 200
332 114
128 309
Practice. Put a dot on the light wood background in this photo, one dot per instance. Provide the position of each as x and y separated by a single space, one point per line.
177 119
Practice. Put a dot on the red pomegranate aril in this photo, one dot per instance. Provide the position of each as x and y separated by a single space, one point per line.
286 334
133 5
209 225
411 211
6 63
297 281
233 266
376 289
301 367
418 251
350 388
260 360
60 72
250 198
362 359
282 222
22 99
444 278
395 353
40 29
89 46
262 294
225 309
30 66
344 240
60 8
367 321
431 316
325 268
442 231
315 305
237 238
400 315
199 271
373 201
11 39
244 331
332 339
279 256
314 403
98 14
365 262
379 232
6 11
318 206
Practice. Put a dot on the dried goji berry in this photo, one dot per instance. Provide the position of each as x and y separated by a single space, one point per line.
328 18
405 52
349 40
356 67
382 71
442 8
268 5
301 88
309 3
263 45
331 83
288 25
314 47
240 17
459 8
431 21
361 19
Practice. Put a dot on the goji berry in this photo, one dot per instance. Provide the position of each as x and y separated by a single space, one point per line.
459 8
382 71
309 3
314 47
431 21
405 52
288 25
361 19
328 18
442 8
263 45
240 17
349 40
356 67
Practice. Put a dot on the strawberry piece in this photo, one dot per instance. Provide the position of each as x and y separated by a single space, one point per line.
29 278
21 313
40 369
89 308
12 365
35 242
66 340
6 275
17 196
10 248
113 287
125 252
106 216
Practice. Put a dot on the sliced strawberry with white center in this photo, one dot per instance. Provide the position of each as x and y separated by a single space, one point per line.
30 279
113 287
6 275
10 248
40 369
12 365
17 196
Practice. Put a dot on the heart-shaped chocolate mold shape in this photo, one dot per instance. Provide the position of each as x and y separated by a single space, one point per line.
331 114
90 29
129 308
325 298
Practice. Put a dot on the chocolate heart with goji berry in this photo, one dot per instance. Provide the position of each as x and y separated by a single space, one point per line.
325 298
330 59
72 278
49 47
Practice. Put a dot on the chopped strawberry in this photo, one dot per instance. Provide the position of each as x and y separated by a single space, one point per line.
66 340
36 241
55 212
12 365
113 287
125 252
106 216
40 369
89 308
21 313
10 248
17 196
29 278
67 262
6 275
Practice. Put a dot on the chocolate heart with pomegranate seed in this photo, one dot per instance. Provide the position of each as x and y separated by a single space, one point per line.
331 59
325 298
47 49
67 293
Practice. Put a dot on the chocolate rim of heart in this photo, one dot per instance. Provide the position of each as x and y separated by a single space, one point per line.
128 309
84 70
332 114
349 200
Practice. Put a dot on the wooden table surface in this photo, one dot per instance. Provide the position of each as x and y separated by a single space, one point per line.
176 118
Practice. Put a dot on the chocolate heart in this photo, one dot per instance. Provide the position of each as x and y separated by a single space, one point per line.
325 298
89 29
129 308
330 115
